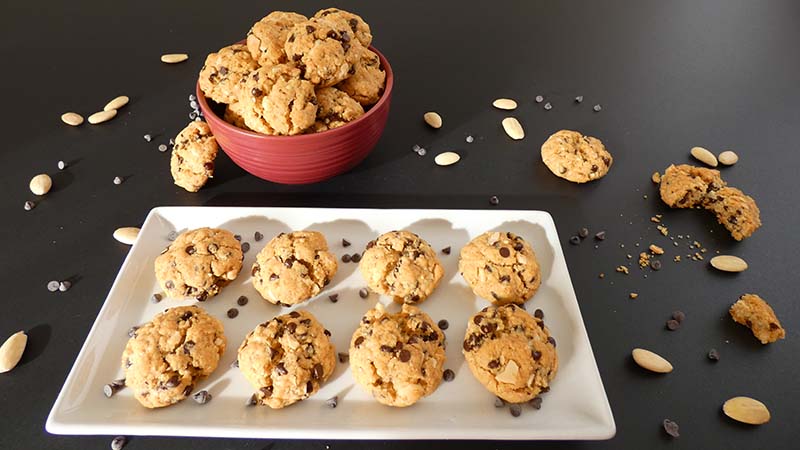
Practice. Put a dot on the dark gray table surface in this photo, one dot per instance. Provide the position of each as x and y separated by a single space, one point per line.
669 74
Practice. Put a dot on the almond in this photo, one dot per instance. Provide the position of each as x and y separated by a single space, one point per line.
126 235
447 158
11 351
729 263
513 128
509 374
505 103
41 184
705 156
102 116
746 410
651 361
433 119
174 58
71 118
728 158
117 103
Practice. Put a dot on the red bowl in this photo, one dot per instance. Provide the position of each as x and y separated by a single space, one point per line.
304 158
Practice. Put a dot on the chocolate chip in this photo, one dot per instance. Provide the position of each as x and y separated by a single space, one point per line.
29 205
345 243
387 348
333 298
404 355
190 250
201 297
536 402
111 388
245 247
242 300
539 314
671 428
310 29
326 331
597 108
258 236
363 293
515 410
499 402
448 375
235 364
148 137
548 106
679 316
332 402
713 354
552 340
539 99
574 240
494 364
118 442
346 258
536 354
494 201
355 258
281 369
505 252
594 168
343 357
358 341
173 381
52 286
117 181
579 99
132 331
309 387
202 397
583 232
600 235
317 371
252 401
655 264
673 325
233 312
446 250
443 324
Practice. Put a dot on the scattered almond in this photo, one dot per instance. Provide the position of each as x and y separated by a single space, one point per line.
174 58
509 374
656 250
651 361
102 116
126 235
656 177
728 158
71 118
513 128
433 119
746 410
447 158
729 263
11 351
41 184
117 103
505 103
705 156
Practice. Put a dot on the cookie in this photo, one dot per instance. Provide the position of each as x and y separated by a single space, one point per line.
287 358
266 38
222 74
575 157
398 358
199 263
401 265
275 100
735 210
167 356
753 312
510 352
335 108
293 267
686 186
193 155
500 267
233 115
320 51
368 79
345 20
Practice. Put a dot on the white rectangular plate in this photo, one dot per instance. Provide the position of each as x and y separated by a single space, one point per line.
575 408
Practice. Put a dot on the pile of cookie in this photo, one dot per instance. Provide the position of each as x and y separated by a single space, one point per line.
398 358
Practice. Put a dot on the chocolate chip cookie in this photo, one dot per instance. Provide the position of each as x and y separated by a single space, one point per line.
222 74
398 358
275 100
753 312
345 20
293 267
368 79
234 115
575 157
500 267
321 51
335 108
287 358
193 155
167 356
199 263
266 38
402 265
735 210
510 352
686 186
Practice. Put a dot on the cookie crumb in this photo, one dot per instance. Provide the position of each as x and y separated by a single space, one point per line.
601 276
622 269
656 177
656 250
633 295
664 230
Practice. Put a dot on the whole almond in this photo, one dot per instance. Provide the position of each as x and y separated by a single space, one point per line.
513 128
729 263
71 118
447 158
728 158
117 103
651 361
126 235
746 410
102 116
509 374
704 155
174 58
41 184
433 119
11 351
505 103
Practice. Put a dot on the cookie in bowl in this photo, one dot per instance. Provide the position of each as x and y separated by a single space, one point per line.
335 109
222 74
266 38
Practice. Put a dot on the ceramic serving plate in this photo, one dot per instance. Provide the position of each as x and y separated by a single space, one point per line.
575 408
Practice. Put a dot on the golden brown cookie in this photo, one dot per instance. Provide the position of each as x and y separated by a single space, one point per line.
287 358
193 155
293 267
753 312
735 210
321 51
402 265
575 157
266 38
347 20
276 101
335 108
398 358
366 83
500 267
686 186
199 263
167 356
510 352
222 74
233 115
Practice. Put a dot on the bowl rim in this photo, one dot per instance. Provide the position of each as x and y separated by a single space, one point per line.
229 128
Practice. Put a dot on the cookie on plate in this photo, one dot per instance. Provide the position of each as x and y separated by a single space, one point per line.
287 358
335 108
753 312
398 358
345 20
686 186
266 38
366 83
199 263
275 100
735 210
193 155
402 265
167 356
500 267
321 51
222 74
575 157
510 352
293 267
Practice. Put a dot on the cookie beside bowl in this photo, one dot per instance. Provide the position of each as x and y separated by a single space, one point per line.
304 158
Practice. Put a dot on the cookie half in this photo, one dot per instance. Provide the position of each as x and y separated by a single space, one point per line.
193 155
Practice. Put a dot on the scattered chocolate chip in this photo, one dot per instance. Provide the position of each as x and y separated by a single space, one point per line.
446 250
117 180
202 397
235 364
148 137
363 293
597 108
443 324
600 235
499 402
713 354
679 316
155 298
258 236
575 240
539 314
238 237
673 325
346 258
332 402
245 247
655 264
671 428
52 286
583 232
579 99
242 300
515 410
61 165
118 442
536 402
232 313
539 99
252 401
448 375
64 286
551 340
111 388
169 284
172 235
345 243
132 331
29 205
343 357
494 201
333 298
505 252
356 257
548 106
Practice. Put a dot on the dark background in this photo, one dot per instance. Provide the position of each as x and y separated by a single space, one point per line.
669 74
